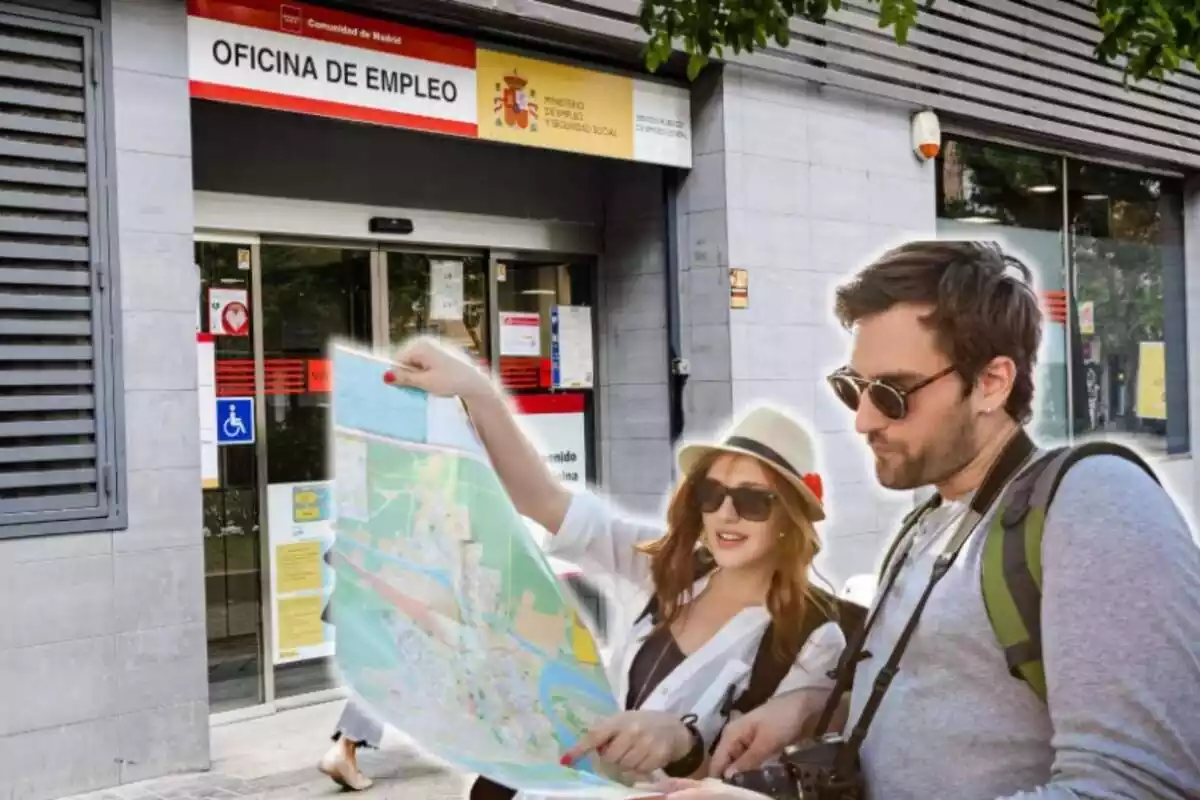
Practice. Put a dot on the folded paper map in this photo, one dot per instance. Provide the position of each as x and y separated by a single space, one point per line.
450 623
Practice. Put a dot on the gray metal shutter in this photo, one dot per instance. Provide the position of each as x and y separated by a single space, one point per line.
56 425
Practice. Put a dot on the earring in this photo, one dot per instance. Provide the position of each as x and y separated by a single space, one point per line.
781 534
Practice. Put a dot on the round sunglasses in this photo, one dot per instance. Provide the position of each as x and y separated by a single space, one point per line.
751 503
891 400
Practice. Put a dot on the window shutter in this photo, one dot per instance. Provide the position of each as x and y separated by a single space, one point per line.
56 423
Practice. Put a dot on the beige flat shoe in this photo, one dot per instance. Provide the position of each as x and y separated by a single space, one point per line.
342 769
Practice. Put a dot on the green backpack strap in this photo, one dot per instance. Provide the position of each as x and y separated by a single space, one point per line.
1012 556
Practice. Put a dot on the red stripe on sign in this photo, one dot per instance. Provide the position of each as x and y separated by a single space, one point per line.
329 25
204 337
564 403
326 108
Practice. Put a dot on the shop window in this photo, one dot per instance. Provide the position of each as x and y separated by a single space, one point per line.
1106 247
1127 260
1014 197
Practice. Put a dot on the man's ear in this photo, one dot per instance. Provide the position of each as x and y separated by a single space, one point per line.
994 385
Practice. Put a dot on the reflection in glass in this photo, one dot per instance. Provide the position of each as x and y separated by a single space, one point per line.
410 304
310 294
232 568
1014 197
1127 258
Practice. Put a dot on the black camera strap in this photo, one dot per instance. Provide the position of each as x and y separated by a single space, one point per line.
1014 456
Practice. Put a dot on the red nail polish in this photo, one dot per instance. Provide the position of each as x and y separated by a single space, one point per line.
389 377
565 761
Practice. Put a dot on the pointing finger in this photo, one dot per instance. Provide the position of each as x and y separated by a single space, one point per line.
593 739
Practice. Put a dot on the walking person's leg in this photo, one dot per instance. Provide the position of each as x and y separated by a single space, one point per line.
356 728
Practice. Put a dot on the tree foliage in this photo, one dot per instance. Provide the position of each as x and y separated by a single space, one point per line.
1148 38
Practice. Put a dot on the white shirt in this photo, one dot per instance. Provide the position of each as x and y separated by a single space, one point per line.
602 543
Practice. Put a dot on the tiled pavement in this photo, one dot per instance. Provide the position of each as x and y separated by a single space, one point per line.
274 758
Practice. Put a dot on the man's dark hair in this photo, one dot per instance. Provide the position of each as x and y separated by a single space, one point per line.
980 309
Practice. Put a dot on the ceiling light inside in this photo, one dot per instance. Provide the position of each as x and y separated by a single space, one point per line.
979 220
1043 188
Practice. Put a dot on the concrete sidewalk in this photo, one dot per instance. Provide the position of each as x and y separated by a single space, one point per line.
275 758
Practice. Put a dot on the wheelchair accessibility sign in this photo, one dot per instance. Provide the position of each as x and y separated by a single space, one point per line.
235 420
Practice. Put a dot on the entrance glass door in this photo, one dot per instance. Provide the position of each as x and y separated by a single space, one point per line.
232 547
268 517
310 294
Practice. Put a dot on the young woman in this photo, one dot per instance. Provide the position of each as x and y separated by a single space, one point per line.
730 567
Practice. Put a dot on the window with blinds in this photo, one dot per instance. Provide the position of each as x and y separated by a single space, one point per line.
57 416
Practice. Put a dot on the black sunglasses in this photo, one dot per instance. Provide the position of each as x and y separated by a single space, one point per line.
891 400
750 502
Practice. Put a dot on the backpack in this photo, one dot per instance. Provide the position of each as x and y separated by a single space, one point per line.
769 669
1012 563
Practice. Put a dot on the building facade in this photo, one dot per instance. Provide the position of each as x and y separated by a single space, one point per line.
191 209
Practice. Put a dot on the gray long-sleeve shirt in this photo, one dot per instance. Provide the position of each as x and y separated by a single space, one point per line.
1121 639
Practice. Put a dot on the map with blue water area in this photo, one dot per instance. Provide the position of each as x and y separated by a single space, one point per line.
450 623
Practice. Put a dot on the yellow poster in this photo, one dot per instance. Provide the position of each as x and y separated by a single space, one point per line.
298 567
1152 381
542 104
300 623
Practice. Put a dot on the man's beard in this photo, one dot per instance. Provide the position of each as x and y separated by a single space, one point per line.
938 461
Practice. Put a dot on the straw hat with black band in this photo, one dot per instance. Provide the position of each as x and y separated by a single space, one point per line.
776 440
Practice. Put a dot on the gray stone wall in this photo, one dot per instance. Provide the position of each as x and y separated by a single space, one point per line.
799 185
635 446
102 654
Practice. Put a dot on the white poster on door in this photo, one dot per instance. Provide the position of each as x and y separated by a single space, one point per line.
571 350
520 333
206 377
446 290
228 312
300 528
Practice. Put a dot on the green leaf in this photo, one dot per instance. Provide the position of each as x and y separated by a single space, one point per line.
1147 38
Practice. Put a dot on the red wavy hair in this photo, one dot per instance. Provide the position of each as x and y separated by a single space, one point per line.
673 556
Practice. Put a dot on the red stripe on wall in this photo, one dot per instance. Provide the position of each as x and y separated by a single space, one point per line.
325 108
330 25
557 403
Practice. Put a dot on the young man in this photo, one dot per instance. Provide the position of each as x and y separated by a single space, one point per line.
940 380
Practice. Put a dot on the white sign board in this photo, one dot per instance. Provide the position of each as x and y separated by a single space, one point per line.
561 439
573 367
520 333
206 377
228 312
300 529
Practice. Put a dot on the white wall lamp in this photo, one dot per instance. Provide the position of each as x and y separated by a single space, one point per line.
926 135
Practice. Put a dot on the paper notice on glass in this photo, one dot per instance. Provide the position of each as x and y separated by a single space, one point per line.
446 290
206 372
573 366
520 333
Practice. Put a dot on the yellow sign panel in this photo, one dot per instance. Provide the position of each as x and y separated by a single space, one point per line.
300 623
298 567
1152 381
541 104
